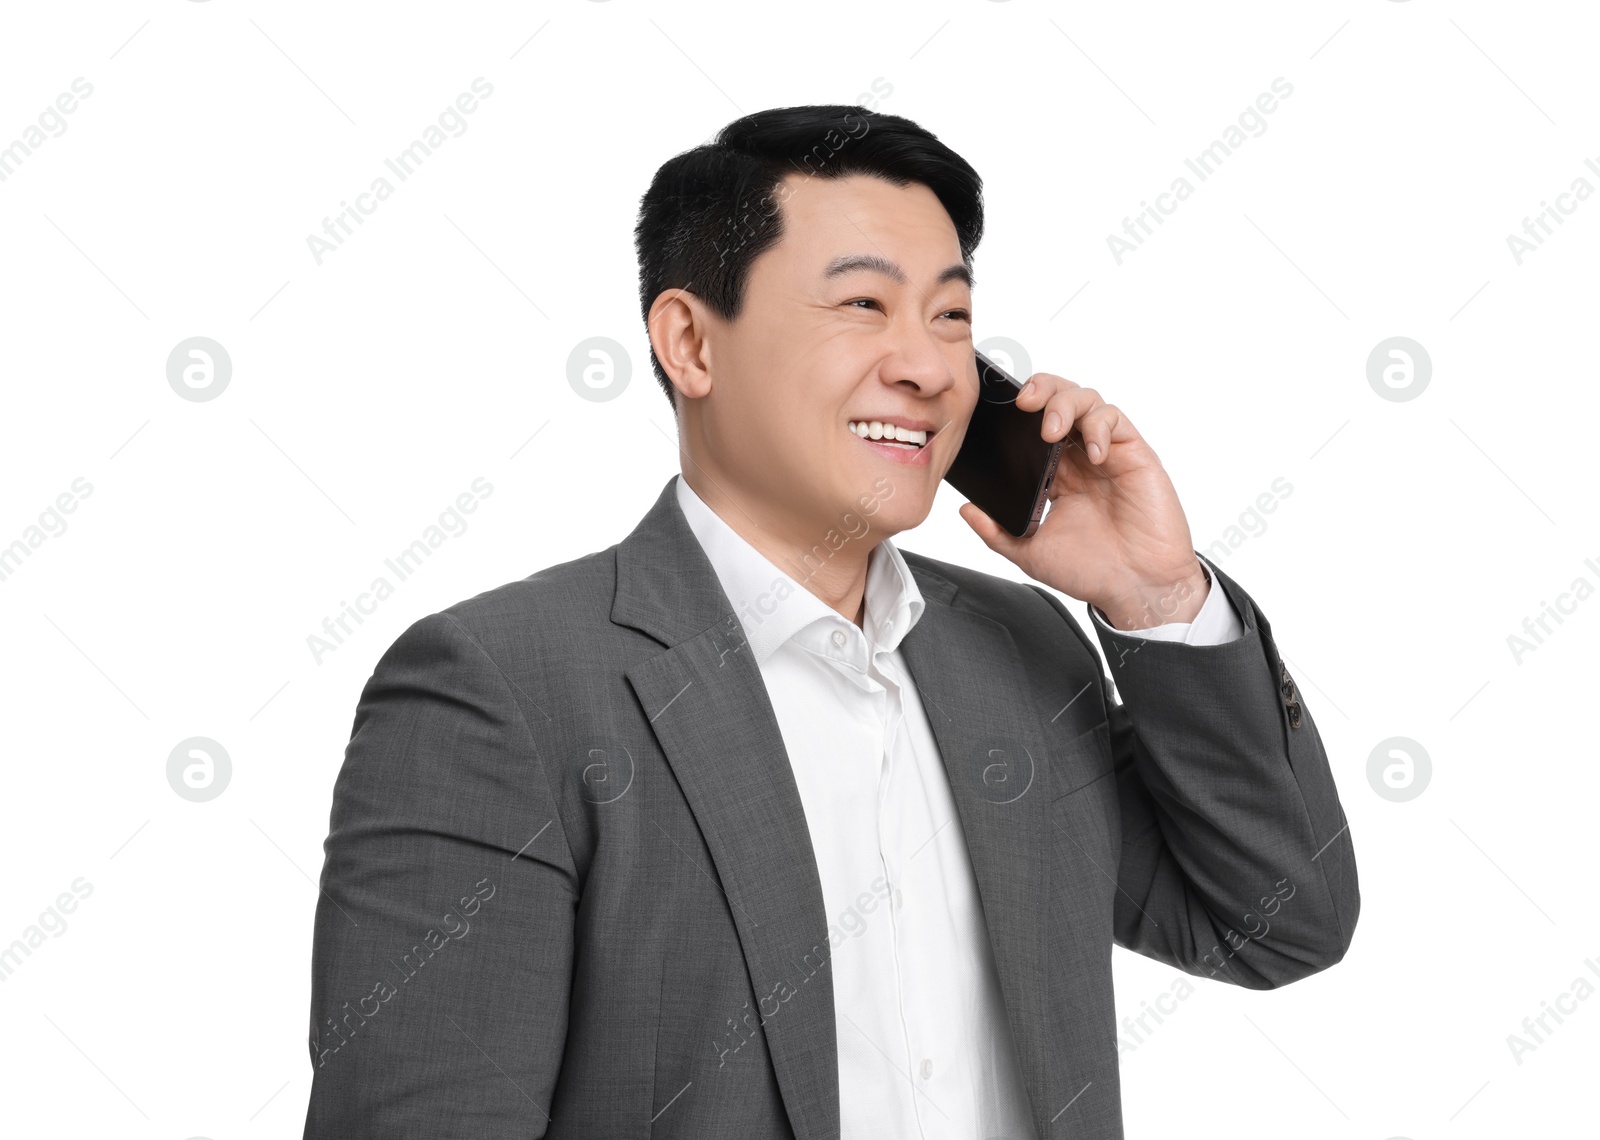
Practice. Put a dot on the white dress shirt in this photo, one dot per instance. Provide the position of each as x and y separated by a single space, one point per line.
923 1045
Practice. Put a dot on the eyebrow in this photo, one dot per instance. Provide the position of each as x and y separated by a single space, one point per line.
875 263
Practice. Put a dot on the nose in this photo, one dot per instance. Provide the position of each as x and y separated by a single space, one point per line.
917 359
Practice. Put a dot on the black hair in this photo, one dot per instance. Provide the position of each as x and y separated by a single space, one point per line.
711 211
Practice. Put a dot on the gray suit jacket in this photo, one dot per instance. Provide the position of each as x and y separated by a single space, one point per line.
570 892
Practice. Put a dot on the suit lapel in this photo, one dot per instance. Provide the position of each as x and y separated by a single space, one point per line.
973 687
708 706
707 703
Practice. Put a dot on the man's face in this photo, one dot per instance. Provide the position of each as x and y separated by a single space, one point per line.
860 313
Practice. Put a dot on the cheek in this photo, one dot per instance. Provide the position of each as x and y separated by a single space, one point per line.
796 389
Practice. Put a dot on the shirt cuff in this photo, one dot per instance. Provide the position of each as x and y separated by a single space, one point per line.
1216 622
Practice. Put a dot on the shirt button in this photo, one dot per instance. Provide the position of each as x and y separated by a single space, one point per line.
838 637
927 1068
899 903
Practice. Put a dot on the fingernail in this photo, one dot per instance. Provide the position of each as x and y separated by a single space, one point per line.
1051 422
1094 452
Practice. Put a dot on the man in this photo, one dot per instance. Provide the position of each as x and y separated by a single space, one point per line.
753 825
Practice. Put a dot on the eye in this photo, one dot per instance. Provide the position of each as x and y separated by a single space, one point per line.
959 314
865 301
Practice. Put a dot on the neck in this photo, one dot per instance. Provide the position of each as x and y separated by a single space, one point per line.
818 553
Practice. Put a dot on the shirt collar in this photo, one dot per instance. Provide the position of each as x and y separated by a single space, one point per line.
773 606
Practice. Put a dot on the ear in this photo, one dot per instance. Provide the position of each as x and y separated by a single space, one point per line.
679 323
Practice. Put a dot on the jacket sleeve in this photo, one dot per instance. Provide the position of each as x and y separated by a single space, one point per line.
1236 860
443 944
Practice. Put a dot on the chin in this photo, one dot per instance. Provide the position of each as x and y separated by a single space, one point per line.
903 512
885 501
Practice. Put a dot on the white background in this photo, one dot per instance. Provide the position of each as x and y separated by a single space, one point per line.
367 392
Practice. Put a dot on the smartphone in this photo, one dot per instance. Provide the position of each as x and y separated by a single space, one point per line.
1005 465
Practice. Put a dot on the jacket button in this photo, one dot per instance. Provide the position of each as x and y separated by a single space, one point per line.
1294 714
1287 689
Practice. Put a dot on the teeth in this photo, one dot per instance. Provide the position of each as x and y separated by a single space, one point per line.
877 429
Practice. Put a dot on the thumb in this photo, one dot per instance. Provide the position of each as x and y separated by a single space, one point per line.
993 535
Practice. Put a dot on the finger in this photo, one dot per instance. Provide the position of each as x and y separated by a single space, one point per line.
1100 427
1068 405
1065 409
1039 388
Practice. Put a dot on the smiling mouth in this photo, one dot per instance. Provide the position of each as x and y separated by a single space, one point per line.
889 434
